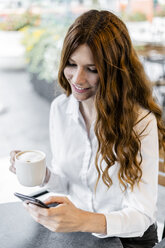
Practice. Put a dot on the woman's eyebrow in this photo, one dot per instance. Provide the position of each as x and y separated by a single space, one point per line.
72 60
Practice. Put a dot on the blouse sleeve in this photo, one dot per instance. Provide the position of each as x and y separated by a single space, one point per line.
58 182
140 204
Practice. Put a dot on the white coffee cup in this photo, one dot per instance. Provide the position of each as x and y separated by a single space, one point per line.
30 167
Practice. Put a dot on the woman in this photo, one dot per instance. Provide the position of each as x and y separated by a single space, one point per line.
104 135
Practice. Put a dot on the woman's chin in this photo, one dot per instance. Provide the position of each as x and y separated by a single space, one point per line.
81 97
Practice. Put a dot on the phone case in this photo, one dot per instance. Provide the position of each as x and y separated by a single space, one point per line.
35 201
31 199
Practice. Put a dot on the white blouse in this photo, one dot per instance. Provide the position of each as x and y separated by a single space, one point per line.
73 172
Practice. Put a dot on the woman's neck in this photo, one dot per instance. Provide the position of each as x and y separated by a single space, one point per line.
88 111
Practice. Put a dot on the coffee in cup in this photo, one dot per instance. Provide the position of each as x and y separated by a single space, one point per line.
30 167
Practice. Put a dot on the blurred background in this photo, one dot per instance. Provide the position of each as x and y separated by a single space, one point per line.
31 37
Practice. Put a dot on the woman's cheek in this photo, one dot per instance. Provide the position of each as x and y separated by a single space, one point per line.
65 72
68 73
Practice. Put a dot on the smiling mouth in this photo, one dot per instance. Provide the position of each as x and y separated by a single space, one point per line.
80 89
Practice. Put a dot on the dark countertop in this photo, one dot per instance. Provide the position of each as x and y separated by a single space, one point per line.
19 230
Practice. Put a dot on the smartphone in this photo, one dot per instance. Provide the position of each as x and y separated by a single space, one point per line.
33 200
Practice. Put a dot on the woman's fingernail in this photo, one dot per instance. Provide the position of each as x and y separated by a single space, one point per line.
24 204
31 205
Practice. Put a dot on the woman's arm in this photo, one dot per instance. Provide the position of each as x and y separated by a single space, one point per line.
67 218
55 180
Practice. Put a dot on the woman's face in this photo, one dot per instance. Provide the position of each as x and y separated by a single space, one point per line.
81 73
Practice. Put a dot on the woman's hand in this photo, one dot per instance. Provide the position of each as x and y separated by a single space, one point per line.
12 161
66 217
63 218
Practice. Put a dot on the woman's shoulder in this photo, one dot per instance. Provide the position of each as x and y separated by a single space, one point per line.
59 99
144 117
144 114
60 102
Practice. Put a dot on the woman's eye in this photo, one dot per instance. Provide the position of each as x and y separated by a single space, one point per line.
92 70
71 64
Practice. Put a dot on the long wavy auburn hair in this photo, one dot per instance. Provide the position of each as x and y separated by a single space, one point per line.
123 85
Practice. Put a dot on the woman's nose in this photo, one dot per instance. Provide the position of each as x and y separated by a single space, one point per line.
79 76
